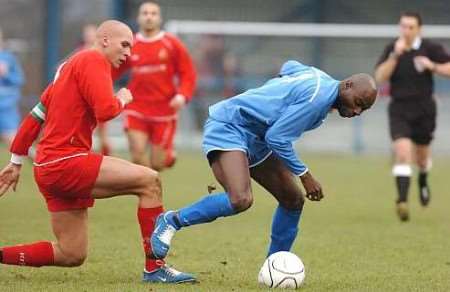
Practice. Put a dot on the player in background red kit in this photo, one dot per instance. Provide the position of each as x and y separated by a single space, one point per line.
162 81
67 173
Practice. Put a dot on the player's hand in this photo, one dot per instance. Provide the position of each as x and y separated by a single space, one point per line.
423 63
400 46
124 95
177 102
9 177
312 187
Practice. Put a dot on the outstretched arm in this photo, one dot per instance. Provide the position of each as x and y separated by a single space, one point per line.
9 177
438 61
442 69
26 135
186 74
389 60
28 132
280 136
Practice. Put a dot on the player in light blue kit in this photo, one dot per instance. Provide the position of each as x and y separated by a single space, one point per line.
11 79
251 135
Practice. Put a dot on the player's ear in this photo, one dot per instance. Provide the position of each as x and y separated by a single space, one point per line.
348 84
105 41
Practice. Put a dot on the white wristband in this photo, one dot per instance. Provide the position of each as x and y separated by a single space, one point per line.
16 159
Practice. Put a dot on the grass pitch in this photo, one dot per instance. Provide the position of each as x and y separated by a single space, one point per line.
351 241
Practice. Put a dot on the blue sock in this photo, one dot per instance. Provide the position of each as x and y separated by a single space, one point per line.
284 229
208 209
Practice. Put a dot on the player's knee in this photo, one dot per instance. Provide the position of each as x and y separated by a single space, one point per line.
241 201
402 158
424 164
138 156
75 259
137 159
158 166
150 183
294 202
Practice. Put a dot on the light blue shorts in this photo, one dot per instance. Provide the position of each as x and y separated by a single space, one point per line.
228 137
9 120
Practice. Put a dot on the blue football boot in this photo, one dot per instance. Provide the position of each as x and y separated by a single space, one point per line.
162 235
166 274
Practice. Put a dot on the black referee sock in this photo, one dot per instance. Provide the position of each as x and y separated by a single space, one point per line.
1 256
423 179
402 187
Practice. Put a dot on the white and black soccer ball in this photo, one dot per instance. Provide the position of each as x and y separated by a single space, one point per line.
282 270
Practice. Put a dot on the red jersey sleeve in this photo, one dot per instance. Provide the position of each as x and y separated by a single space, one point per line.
95 84
185 69
31 126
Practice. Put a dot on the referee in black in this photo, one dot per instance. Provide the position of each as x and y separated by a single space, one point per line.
409 63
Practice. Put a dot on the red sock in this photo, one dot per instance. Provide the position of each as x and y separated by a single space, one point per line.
147 218
36 254
170 159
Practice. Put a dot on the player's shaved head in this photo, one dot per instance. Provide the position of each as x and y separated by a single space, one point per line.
114 39
110 28
357 93
365 86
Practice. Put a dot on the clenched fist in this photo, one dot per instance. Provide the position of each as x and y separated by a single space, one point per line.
400 46
124 95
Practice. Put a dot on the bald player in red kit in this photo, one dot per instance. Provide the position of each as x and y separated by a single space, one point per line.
162 81
70 176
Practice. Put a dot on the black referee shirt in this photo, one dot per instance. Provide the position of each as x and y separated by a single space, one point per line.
406 81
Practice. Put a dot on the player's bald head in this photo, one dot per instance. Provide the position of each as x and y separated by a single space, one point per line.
114 40
365 86
357 93
112 28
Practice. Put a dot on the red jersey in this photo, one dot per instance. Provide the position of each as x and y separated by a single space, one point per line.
80 95
160 68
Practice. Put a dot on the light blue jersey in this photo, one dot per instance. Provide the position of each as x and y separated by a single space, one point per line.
271 117
11 82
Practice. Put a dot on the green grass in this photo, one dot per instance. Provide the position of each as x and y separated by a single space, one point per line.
351 241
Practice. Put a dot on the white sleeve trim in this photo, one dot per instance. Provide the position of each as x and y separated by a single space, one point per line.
317 86
302 173
16 159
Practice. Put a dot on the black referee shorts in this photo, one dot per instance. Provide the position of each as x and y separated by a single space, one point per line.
414 119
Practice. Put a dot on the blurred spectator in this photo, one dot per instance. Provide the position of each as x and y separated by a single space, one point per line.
88 34
11 80
219 74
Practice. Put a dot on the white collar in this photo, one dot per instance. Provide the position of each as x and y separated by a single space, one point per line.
416 43
142 38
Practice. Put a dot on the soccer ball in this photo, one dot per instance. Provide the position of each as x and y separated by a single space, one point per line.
282 270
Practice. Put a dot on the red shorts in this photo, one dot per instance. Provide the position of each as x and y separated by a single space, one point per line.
67 184
161 133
